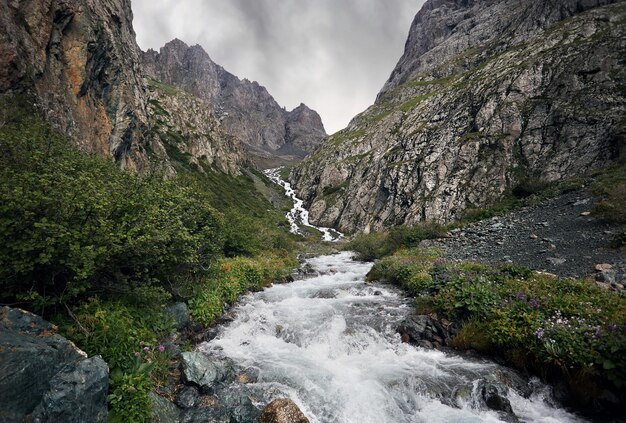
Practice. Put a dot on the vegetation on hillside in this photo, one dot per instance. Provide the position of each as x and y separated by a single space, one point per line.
565 328
101 251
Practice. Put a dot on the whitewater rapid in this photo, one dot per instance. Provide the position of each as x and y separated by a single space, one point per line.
298 215
329 343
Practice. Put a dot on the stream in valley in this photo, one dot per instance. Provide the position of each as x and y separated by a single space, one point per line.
329 342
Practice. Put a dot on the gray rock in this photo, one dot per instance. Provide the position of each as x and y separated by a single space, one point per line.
180 313
241 409
44 376
555 261
188 397
246 111
163 410
199 369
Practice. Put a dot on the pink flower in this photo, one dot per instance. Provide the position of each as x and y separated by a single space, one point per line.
146 348
136 354
161 348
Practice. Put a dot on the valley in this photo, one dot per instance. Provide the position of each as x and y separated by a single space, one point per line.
179 247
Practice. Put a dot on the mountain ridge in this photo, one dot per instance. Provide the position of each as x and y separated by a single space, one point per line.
477 121
246 110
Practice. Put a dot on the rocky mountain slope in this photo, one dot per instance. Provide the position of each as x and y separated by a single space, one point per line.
487 95
246 110
80 63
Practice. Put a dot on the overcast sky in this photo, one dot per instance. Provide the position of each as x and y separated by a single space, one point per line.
332 55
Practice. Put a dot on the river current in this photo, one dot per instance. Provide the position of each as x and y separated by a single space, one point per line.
329 343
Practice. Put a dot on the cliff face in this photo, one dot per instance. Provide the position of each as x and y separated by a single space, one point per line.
80 61
246 110
487 94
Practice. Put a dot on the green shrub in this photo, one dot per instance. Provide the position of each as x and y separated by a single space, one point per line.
535 320
73 223
375 245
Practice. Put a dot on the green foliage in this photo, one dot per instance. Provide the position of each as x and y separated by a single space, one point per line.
406 268
375 245
129 399
127 336
529 186
233 277
534 319
73 223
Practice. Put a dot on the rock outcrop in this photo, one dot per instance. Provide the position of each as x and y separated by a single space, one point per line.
44 377
80 62
246 110
487 95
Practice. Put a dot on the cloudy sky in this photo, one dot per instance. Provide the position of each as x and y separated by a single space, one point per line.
333 55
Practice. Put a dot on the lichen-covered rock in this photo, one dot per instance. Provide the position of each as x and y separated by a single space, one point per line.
282 410
487 95
44 377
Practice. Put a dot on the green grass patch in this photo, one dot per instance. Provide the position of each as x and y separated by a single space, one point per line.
569 328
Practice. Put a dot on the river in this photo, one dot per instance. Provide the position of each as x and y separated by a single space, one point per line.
329 343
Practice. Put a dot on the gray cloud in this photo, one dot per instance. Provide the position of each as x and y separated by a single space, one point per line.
333 55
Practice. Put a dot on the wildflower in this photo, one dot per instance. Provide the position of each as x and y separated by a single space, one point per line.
137 354
521 296
161 348
539 333
142 343
146 348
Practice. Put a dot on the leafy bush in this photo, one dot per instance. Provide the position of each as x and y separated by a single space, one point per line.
406 268
73 223
375 245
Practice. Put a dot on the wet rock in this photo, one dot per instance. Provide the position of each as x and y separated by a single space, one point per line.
163 410
282 411
199 369
44 376
495 398
419 328
241 409
249 375
180 313
188 397
607 277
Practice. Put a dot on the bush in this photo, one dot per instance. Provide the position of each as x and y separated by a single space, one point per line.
233 277
73 224
372 246
610 186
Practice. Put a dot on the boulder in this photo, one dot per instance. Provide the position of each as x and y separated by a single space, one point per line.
422 330
44 377
205 371
282 411
163 411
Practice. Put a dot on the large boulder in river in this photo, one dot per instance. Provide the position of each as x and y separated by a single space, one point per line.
282 410
206 371
44 377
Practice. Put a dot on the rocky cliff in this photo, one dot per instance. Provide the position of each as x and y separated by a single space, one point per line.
246 110
80 62
487 95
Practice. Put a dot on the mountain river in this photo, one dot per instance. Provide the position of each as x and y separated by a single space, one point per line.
329 343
